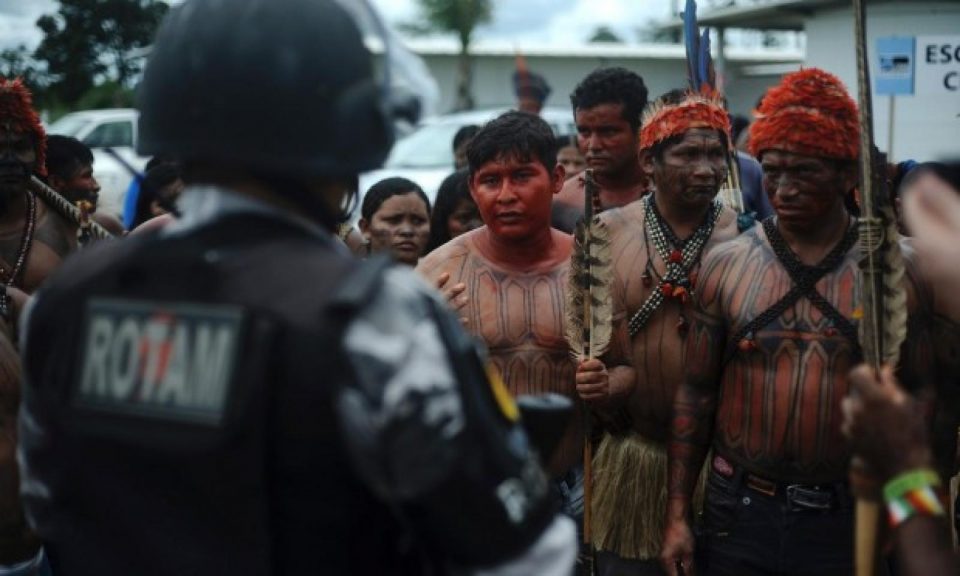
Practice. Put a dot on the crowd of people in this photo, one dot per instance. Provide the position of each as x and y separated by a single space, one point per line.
245 383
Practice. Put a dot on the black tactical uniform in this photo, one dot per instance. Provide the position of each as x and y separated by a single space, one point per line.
235 395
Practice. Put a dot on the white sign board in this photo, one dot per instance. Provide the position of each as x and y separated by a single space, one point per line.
938 65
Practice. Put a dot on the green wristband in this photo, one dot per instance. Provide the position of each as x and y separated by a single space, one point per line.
909 481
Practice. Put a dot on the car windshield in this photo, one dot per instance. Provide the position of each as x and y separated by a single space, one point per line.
429 147
69 125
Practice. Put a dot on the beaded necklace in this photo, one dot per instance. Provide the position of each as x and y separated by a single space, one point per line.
9 277
680 256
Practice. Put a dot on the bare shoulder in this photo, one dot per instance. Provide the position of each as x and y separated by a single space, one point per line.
625 217
446 258
727 226
571 193
724 260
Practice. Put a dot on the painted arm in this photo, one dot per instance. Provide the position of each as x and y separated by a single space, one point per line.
691 431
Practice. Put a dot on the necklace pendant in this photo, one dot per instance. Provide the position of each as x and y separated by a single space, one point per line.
830 331
747 344
676 256
683 326
646 279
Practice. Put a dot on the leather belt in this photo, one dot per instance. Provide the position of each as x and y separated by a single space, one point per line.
828 496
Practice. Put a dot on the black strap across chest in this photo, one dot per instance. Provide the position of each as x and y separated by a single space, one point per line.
804 279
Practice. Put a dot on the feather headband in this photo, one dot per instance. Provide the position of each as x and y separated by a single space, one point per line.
16 110
808 113
697 110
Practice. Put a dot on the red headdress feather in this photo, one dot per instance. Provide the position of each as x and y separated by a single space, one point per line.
696 110
16 109
808 113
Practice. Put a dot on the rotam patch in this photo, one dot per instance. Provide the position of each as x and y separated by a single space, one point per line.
161 360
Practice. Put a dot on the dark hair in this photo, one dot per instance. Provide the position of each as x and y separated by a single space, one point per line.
156 179
464 134
66 155
949 173
612 86
565 140
454 189
521 134
386 189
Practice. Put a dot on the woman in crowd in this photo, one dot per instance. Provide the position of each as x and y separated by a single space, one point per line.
569 156
454 213
395 218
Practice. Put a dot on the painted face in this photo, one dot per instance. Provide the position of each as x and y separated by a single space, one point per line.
400 226
80 186
18 158
693 169
464 218
572 161
514 196
608 141
804 189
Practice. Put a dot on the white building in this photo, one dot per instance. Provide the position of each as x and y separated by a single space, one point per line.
925 126
662 66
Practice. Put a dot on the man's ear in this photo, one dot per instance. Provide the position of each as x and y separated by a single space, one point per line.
364 228
647 162
559 176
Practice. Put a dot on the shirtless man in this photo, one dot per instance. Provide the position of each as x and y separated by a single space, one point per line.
656 245
771 343
607 106
33 238
515 270
70 172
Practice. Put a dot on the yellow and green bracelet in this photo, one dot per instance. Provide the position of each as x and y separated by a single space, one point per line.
912 493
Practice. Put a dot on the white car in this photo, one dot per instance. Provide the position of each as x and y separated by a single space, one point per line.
425 156
111 135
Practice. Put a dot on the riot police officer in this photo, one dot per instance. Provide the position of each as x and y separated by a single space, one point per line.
233 394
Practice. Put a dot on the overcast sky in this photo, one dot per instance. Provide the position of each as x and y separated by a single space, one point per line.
555 22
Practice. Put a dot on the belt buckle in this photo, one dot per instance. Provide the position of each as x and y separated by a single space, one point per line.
801 497
761 485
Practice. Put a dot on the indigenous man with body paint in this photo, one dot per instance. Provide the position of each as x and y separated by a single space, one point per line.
515 269
607 106
33 241
656 246
772 339
33 238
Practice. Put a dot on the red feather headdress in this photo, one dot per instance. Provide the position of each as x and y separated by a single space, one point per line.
808 113
16 110
696 110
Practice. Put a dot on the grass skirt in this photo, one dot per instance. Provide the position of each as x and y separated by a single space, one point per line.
630 496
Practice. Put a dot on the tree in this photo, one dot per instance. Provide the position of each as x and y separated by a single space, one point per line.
89 42
16 63
460 17
603 34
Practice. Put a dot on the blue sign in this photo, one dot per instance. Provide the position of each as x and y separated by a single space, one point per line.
896 65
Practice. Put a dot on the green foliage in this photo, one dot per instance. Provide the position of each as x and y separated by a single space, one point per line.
603 34
89 42
460 17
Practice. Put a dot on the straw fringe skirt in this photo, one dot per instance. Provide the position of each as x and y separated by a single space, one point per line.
630 496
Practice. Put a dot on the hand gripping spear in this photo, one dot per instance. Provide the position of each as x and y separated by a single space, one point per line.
588 326
883 325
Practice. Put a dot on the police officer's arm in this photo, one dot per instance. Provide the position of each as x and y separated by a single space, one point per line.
17 542
431 437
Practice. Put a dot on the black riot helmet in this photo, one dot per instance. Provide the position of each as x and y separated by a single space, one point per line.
280 86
